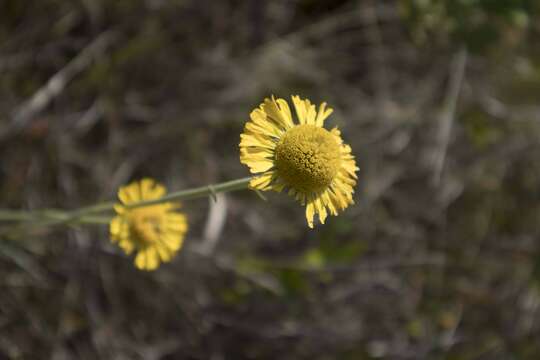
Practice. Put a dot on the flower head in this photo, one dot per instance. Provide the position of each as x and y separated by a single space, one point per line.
310 161
156 232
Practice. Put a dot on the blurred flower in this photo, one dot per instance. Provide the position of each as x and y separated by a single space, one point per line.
313 163
156 232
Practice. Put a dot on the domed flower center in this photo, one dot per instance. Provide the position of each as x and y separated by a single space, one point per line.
308 158
146 224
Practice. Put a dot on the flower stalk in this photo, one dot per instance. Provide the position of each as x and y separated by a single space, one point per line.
86 215
203 191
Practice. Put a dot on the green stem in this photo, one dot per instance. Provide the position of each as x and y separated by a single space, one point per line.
83 215
106 206
203 191
15 215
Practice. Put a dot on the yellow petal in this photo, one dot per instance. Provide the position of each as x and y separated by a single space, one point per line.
322 114
350 168
335 131
263 127
310 211
114 227
147 259
327 202
257 166
311 113
173 241
129 194
337 199
276 115
127 246
321 210
342 195
262 182
146 188
250 139
156 192
285 112
177 218
119 208
304 110
300 109
165 253
176 227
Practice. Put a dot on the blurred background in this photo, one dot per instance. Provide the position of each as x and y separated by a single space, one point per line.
438 259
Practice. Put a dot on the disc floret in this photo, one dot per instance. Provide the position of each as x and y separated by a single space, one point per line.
308 158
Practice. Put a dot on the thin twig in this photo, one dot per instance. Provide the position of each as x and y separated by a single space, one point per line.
377 57
56 84
447 116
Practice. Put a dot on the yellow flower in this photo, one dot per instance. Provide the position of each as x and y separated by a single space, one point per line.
156 232
313 163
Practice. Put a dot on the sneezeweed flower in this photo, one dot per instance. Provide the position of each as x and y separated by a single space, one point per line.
155 232
309 161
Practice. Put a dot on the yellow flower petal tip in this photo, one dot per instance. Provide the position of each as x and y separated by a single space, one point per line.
311 162
155 232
